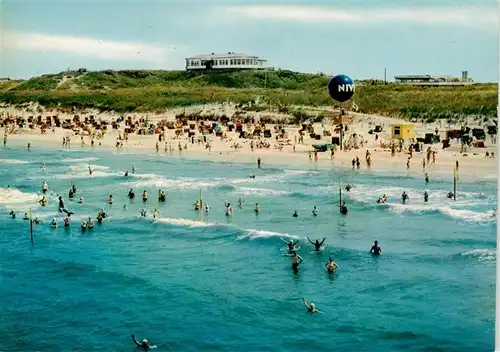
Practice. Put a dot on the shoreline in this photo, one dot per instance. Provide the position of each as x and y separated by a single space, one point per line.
283 148
485 170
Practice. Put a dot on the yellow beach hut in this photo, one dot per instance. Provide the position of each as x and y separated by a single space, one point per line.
402 131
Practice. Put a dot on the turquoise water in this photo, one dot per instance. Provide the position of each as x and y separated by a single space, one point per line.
224 284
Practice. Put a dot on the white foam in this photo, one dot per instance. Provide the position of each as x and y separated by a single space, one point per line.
185 222
79 160
481 254
12 161
263 192
82 171
253 234
11 197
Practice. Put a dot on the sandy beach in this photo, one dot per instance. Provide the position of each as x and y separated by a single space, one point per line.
473 163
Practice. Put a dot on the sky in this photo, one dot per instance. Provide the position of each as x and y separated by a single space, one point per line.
356 38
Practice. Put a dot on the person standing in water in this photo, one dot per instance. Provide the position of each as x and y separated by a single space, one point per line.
258 162
45 187
331 266
315 211
144 196
229 210
376 250
133 168
295 215
29 146
426 197
257 209
311 308
404 197
90 171
426 178
296 261
317 244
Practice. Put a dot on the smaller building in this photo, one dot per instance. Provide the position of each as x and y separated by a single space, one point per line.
402 131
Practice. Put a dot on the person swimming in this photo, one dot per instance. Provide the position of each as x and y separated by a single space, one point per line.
331 266
257 209
144 196
110 199
53 224
81 200
143 212
295 213
382 199
37 221
376 250
131 194
348 187
126 174
450 195
144 344
296 261
343 208
311 308
45 187
12 214
426 196
90 223
26 217
315 211
317 244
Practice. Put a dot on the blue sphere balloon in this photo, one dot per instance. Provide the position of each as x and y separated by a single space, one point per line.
340 88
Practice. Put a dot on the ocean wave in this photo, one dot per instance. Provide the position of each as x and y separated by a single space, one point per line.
254 234
12 161
461 214
244 233
263 192
79 160
12 196
481 254
185 222
82 171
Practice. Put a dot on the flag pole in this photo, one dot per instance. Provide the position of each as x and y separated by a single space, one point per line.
31 228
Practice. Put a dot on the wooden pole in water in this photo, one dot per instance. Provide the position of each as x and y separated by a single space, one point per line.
340 196
201 204
31 228
455 183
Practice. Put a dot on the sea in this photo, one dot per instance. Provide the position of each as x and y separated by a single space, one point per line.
192 281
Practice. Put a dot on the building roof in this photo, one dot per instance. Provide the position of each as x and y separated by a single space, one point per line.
223 56
412 76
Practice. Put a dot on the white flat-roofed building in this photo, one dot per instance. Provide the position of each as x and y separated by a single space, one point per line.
230 60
